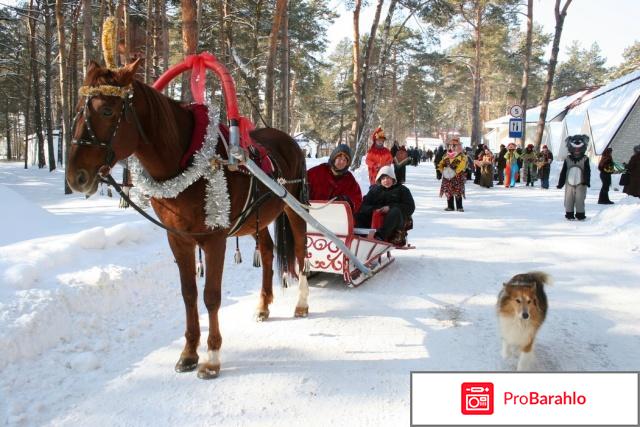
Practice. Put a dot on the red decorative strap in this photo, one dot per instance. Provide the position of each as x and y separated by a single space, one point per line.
199 64
200 124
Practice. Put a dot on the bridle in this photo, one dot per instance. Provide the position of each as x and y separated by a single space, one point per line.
90 92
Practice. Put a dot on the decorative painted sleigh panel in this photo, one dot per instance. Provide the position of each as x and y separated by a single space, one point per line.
324 256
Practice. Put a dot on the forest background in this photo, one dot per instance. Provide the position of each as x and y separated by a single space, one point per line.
429 68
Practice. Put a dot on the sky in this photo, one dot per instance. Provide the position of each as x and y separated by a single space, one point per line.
92 319
612 24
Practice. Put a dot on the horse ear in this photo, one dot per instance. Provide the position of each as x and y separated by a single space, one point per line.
129 70
92 66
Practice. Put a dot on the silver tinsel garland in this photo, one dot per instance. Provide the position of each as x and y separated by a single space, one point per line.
217 205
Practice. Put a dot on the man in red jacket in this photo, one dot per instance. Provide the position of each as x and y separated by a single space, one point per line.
333 179
378 155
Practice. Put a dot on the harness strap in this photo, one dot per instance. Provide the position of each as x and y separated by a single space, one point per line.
108 179
128 108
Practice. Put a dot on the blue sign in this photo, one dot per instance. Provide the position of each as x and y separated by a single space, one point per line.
515 128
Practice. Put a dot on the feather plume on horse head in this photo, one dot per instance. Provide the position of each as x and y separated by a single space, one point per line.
108 42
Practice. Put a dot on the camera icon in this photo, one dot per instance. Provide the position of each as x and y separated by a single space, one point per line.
477 398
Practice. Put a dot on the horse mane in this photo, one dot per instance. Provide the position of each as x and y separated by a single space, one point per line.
160 122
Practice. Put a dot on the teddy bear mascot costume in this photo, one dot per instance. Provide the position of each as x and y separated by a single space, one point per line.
576 174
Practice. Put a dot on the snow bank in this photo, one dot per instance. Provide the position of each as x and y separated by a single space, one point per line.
47 300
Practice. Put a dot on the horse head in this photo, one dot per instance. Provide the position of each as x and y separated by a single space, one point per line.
105 128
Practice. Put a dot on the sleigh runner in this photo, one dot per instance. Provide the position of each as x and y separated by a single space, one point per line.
324 256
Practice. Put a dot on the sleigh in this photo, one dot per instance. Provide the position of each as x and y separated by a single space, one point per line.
324 256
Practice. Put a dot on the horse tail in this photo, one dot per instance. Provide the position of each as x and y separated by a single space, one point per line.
285 248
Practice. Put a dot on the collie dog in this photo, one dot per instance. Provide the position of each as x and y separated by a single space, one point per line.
522 308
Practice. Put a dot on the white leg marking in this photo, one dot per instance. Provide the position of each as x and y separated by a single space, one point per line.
214 357
506 350
525 361
303 291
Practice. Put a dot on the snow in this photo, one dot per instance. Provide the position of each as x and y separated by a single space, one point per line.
92 319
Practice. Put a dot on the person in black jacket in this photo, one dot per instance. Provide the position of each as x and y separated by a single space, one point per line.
606 169
388 198
501 163
439 154
477 172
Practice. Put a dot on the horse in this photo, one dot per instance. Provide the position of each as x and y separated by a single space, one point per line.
119 116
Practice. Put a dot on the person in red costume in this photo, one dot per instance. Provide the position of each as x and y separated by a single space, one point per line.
333 179
378 155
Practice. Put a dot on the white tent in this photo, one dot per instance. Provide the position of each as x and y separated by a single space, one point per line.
499 133
610 116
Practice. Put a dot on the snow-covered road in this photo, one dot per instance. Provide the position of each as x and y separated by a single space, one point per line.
91 317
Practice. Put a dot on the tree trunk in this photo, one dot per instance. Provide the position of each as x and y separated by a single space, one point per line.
37 114
127 32
278 14
284 74
165 36
147 42
357 70
293 122
62 67
366 66
551 69
189 42
73 69
157 38
476 125
525 73
87 39
48 35
377 80
27 114
103 7
7 127
395 130
226 39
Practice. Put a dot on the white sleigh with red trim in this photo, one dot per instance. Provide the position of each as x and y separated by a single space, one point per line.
324 256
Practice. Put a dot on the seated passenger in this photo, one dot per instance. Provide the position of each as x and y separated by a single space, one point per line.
333 179
390 199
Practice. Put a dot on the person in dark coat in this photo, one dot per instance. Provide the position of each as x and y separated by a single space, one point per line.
439 154
606 169
476 169
501 163
519 161
334 180
544 165
633 168
401 159
389 198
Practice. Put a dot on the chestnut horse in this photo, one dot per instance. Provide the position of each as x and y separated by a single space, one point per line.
119 116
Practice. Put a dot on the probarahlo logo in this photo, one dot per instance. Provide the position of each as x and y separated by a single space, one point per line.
477 398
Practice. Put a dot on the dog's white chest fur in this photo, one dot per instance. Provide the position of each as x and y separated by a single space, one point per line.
515 331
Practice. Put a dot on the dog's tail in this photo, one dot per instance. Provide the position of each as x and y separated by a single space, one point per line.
540 277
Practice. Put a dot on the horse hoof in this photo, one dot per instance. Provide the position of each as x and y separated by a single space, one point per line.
261 316
301 312
208 371
186 364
